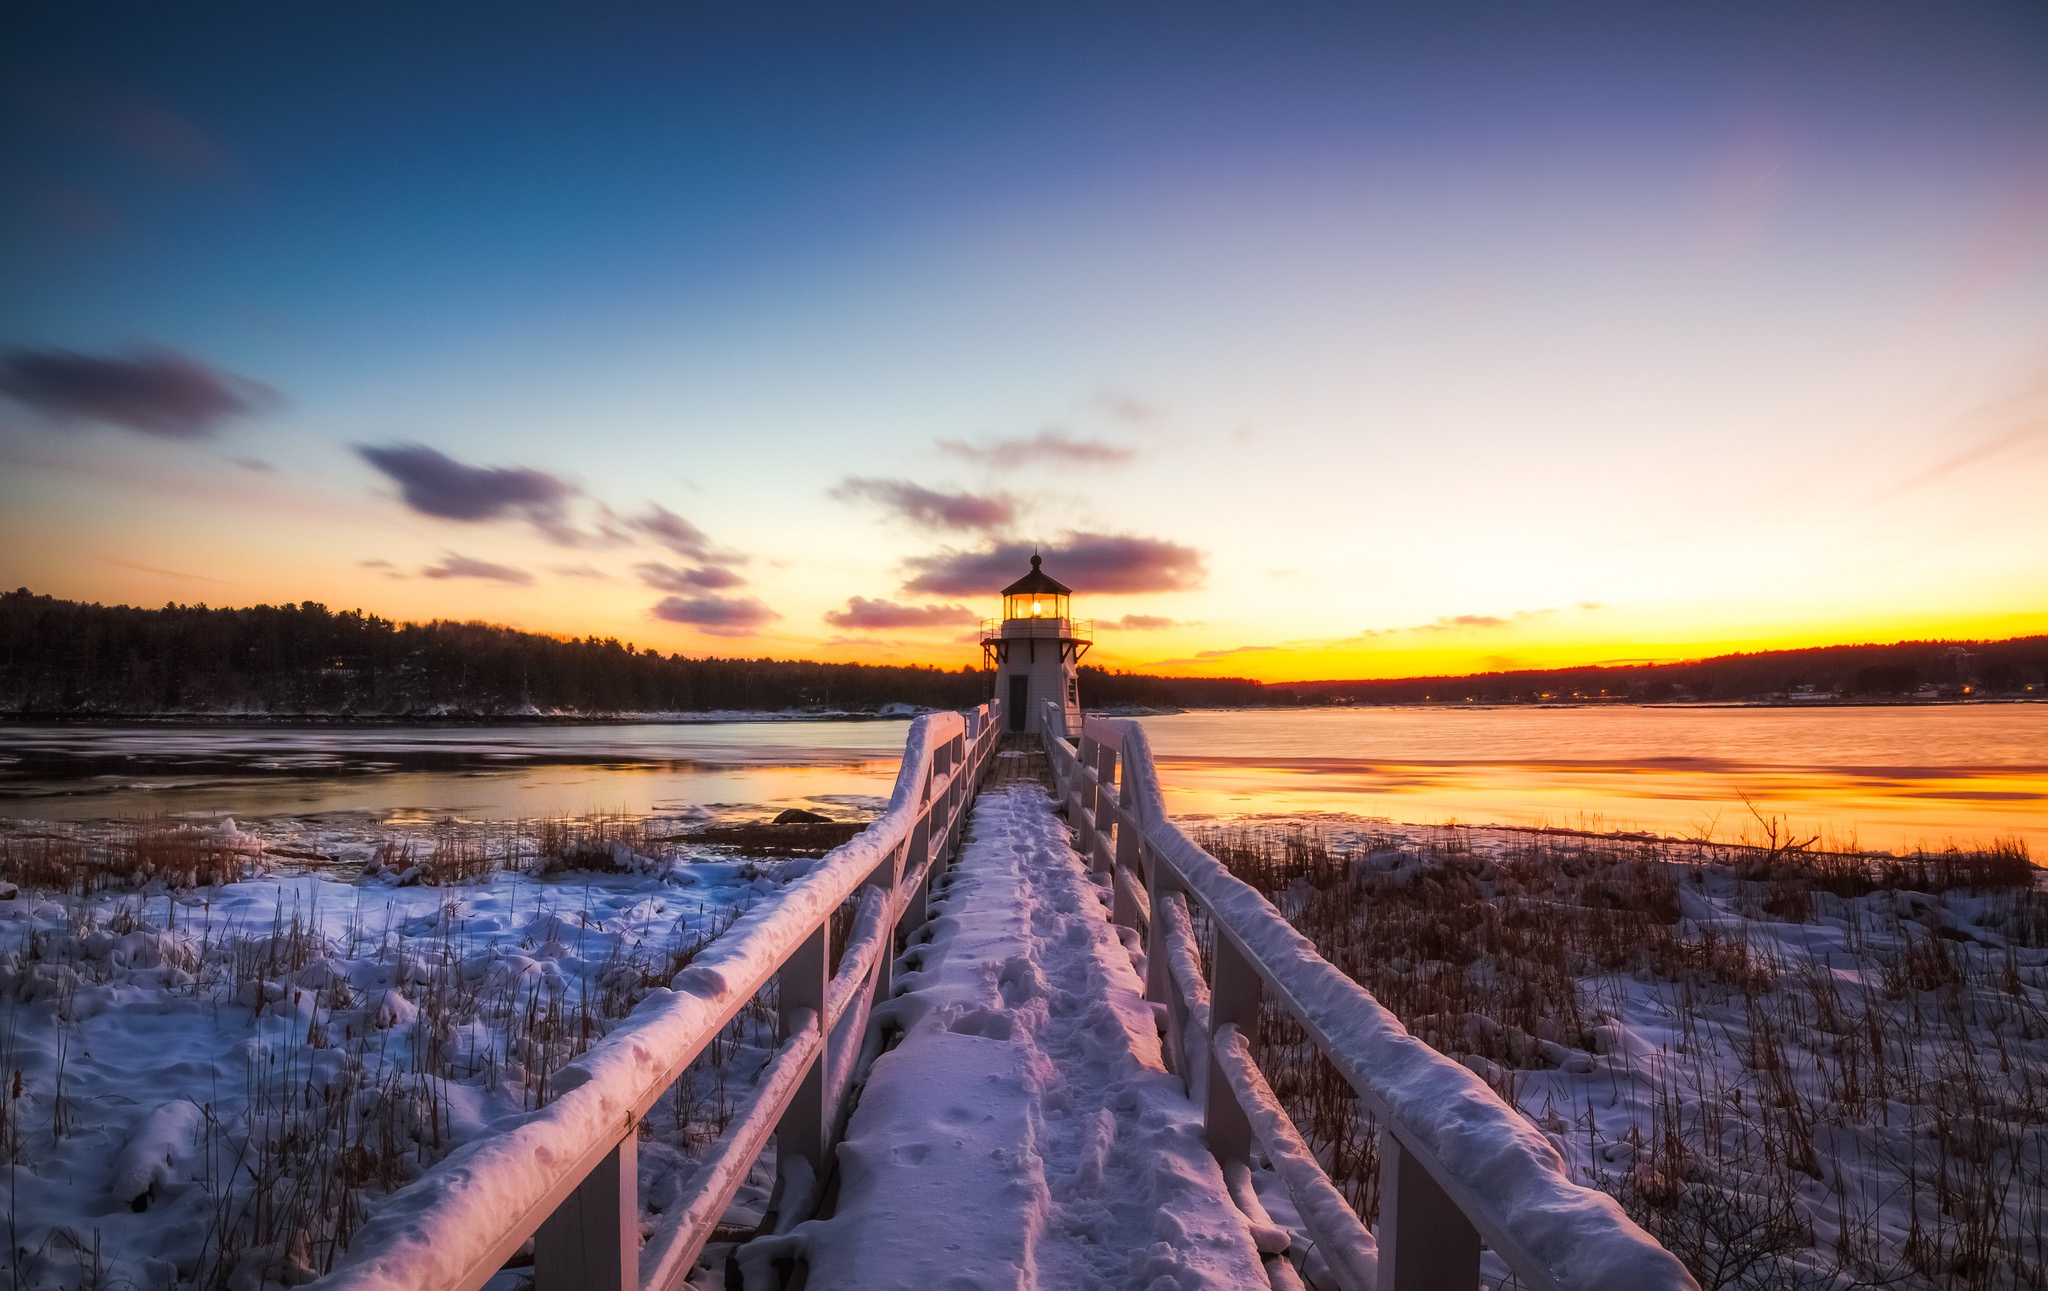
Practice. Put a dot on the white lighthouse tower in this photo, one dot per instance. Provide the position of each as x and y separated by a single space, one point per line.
1036 649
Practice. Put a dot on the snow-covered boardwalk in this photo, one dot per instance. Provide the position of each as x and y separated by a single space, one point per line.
1025 1131
1055 1084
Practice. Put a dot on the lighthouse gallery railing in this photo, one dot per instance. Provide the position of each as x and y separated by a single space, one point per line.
567 1175
1457 1165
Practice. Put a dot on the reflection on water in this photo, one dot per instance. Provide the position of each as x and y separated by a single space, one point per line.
483 772
1889 778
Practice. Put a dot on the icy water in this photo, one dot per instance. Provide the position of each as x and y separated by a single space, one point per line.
1888 777
1885 777
87 772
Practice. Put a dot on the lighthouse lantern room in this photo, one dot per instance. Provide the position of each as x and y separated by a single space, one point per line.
1036 649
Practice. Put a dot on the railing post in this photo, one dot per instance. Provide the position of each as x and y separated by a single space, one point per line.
800 1136
1234 989
1081 796
1426 1243
592 1241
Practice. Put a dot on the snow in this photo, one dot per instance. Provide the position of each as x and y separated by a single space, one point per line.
158 1030
469 1213
1024 1131
1504 1173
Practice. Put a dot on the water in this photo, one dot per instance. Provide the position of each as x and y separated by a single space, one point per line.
1887 777
480 772
1893 778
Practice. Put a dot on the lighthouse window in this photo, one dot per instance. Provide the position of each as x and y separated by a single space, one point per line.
1073 692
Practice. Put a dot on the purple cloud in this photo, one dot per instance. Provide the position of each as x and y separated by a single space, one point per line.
454 566
1452 621
668 578
719 616
1140 623
433 483
860 612
1055 446
932 509
150 391
1087 562
673 532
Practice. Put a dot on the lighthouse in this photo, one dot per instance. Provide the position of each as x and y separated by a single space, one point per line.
1036 650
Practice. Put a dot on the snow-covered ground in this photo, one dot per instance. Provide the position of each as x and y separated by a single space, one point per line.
1025 1132
204 1086
1795 1071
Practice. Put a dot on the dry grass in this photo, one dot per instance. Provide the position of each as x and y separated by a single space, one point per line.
1795 1068
347 1086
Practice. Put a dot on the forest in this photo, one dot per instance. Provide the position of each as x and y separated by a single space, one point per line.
62 658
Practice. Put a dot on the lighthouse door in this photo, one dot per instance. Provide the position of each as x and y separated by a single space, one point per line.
1020 695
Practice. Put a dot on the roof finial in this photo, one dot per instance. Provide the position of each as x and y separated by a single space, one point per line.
1035 561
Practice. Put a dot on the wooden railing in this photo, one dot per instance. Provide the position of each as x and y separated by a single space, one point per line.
567 1175
1458 1166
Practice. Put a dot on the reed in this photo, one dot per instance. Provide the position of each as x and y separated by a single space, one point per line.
1796 1067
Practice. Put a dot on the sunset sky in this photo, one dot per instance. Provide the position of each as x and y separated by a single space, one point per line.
1304 341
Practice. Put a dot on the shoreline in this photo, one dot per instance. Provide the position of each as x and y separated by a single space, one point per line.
900 713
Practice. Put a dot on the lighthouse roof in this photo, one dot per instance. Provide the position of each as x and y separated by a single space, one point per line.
1037 581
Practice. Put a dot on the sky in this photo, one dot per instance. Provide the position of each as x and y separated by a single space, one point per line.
1303 341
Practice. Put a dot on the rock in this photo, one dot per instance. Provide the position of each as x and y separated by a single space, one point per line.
798 816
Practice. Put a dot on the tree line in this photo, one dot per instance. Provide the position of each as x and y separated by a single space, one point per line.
63 658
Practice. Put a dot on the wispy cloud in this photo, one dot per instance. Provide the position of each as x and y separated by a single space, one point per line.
435 484
860 612
1051 446
454 566
675 533
2010 426
668 578
1087 562
150 391
1455 621
719 616
929 507
1141 623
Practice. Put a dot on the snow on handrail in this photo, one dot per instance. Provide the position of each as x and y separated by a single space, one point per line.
455 1226
1495 1167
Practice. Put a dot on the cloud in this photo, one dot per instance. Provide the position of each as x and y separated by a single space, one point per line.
676 534
454 566
1054 446
433 483
1459 622
860 612
580 570
1140 623
718 616
932 509
668 578
1453 621
1087 562
2011 426
1124 407
150 391
1234 650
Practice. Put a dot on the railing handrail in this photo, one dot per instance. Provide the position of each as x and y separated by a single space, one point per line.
454 1227
998 629
1448 1140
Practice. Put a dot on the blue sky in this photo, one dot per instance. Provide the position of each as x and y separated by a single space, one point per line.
1481 338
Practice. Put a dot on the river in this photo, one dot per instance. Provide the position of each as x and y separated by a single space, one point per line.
1884 777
